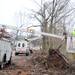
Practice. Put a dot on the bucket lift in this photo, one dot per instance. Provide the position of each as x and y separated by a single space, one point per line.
41 33
34 32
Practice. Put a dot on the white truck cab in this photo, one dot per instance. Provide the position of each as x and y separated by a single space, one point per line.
5 52
22 47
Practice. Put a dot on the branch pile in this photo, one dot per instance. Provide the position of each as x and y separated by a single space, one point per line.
54 60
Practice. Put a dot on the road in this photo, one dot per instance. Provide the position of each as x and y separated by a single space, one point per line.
19 66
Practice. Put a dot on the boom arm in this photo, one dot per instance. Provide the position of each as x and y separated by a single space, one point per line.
36 32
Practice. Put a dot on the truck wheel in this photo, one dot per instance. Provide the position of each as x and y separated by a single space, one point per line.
9 62
4 60
27 54
16 53
31 51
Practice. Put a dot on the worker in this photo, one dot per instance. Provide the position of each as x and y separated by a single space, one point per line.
72 38
73 33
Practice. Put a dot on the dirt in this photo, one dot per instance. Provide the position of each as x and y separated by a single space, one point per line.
38 64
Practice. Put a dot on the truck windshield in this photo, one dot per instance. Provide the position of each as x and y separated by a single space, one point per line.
23 45
18 44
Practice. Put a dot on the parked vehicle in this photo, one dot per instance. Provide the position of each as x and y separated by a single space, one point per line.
22 47
5 52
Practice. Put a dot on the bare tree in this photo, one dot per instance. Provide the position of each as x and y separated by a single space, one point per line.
52 16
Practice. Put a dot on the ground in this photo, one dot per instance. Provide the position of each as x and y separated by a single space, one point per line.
29 65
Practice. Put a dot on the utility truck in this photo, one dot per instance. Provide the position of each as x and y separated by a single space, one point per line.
5 48
5 52
22 47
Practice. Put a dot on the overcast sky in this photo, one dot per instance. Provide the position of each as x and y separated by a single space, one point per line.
9 9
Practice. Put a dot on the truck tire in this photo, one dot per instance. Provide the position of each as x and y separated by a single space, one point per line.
4 58
9 62
16 53
27 54
3 62
30 51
